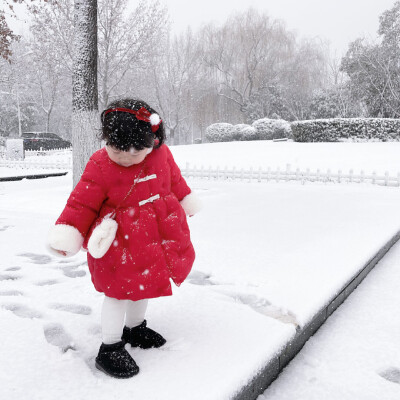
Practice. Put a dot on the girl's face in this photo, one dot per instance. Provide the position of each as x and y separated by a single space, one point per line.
127 158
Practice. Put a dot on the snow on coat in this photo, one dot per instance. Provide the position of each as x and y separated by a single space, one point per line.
152 240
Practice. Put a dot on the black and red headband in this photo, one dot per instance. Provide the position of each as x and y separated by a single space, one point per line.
142 114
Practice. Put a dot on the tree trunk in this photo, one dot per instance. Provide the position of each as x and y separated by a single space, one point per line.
84 86
172 136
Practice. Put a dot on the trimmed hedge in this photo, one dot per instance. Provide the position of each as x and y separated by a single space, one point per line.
262 129
219 132
341 129
268 129
243 132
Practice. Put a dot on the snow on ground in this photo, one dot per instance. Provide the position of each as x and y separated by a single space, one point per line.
51 314
268 256
356 354
290 245
368 156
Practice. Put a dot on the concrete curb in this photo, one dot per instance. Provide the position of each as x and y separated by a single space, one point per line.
36 176
259 383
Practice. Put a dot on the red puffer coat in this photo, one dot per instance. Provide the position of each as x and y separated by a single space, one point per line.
152 242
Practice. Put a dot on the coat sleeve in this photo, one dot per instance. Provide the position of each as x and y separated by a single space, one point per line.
178 184
85 200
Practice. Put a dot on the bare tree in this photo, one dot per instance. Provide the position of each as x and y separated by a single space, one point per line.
374 74
305 72
246 53
175 77
52 28
126 42
20 110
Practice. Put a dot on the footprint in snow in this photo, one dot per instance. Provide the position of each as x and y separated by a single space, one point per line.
37 258
72 263
11 293
71 273
199 278
391 374
264 307
22 311
56 336
5 227
72 308
261 305
47 282
13 269
9 277
70 270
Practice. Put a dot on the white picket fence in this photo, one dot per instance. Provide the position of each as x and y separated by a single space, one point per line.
288 174
29 153
39 163
249 175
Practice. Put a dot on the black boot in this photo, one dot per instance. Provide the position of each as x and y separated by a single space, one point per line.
115 361
143 337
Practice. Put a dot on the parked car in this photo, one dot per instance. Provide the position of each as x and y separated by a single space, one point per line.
44 141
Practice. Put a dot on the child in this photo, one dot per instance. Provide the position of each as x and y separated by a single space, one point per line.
128 210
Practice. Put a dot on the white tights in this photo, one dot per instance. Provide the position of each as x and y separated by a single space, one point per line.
113 314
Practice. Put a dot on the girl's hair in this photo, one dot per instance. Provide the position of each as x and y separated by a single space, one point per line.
123 130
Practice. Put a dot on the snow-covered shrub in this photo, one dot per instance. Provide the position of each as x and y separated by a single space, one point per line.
267 129
262 129
249 133
219 132
342 129
243 132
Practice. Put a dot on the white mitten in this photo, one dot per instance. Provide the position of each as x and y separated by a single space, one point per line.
191 204
65 238
102 237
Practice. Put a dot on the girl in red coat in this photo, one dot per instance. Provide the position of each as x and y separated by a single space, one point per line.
129 212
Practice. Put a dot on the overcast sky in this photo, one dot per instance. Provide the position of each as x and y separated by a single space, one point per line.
338 21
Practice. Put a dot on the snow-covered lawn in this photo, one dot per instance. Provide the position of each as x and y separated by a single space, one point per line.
50 320
368 156
356 354
269 255
290 245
